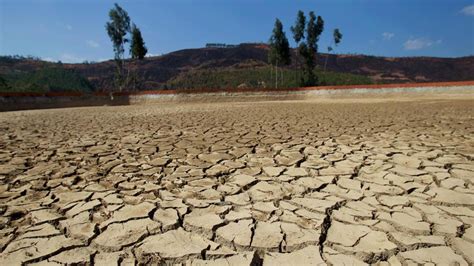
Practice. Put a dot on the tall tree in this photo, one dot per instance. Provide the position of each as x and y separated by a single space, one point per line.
313 31
279 48
298 28
117 28
137 47
337 37
298 32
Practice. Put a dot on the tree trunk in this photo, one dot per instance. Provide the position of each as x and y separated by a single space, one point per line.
276 75
271 72
281 70
325 63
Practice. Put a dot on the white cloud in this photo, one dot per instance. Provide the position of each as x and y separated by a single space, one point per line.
388 35
92 44
70 58
468 10
419 43
49 59
151 55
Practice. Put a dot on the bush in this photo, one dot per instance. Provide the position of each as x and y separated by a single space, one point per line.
52 79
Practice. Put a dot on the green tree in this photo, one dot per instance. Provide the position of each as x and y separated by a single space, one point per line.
3 84
298 32
279 48
313 31
137 47
117 28
298 29
337 37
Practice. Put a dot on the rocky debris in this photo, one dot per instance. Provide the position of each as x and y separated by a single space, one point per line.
207 184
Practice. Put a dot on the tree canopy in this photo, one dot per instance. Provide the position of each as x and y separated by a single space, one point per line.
337 35
298 29
117 28
279 46
138 49
314 30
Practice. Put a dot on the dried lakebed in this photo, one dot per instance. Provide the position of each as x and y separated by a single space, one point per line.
272 183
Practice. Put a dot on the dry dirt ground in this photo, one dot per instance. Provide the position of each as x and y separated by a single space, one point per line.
272 183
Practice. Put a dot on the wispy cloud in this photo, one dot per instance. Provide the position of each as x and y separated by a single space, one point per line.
49 59
468 10
70 58
388 35
151 55
419 43
68 27
92 44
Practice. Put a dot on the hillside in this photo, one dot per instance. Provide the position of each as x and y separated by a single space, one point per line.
198 66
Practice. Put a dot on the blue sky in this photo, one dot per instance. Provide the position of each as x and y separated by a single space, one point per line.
73 30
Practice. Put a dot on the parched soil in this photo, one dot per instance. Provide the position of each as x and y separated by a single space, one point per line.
273 183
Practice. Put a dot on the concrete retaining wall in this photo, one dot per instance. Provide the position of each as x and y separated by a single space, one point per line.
300 94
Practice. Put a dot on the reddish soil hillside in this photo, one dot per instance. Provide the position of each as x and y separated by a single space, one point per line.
157 70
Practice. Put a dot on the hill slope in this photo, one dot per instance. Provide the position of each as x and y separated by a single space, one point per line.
163 71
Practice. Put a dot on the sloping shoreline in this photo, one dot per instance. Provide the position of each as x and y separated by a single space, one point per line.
25 101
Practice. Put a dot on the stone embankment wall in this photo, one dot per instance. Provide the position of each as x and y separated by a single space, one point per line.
24 101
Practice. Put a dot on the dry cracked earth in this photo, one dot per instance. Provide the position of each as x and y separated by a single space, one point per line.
272 183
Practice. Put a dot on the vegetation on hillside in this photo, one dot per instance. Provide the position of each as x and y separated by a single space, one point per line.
256 78
52 79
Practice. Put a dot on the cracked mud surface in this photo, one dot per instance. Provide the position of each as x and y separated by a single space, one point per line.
272 183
